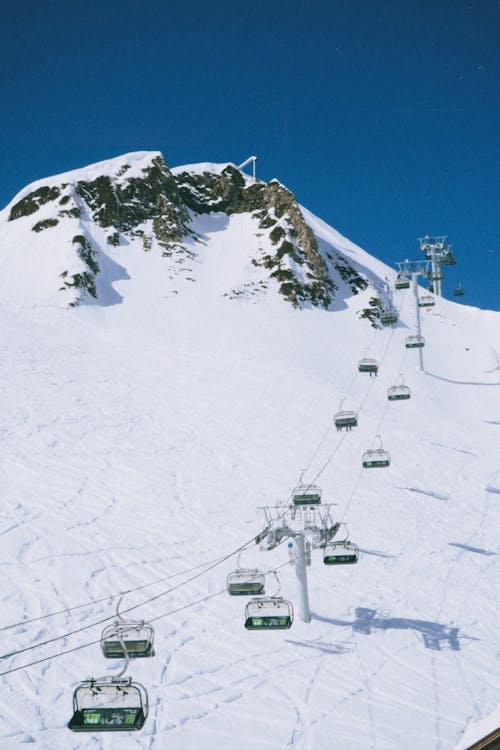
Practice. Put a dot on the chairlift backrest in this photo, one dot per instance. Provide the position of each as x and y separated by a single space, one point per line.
306 494
340 553
426 301
414 342
368 365
135 636
268 613
399 393
345 420
376 459
245 582
388 317
109 704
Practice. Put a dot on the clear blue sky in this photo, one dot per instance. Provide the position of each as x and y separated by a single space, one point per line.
382 117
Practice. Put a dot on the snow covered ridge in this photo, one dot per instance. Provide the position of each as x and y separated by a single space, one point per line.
73 234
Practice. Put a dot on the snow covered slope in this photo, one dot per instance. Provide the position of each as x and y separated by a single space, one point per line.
139 437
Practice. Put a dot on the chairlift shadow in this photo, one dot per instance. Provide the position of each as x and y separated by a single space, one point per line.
435 635
460 382
477 550
333 649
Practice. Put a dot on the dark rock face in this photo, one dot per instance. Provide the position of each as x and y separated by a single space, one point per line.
157 207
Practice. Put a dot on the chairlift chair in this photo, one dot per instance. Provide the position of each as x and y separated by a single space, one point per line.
435 275
129 639
388 317
245 582
414 342
340 553
402 282
458 291
135 636
109 704
376 458
426 301
268 613
306 494
399 392
368 365
346 420
448 259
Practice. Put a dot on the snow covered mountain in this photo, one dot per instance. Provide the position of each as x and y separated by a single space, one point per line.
214 328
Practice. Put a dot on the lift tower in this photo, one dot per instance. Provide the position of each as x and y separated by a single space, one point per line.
415 268
306 527
438 252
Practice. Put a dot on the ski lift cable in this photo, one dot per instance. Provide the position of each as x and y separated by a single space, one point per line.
39 644
343 400
93 643
109 597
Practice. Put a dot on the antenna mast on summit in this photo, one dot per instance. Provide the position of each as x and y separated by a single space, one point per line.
252 159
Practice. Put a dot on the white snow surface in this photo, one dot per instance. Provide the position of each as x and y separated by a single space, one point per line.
139 439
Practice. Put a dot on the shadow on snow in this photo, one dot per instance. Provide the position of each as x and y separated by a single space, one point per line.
435 635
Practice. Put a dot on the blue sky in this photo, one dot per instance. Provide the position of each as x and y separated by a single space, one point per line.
382 117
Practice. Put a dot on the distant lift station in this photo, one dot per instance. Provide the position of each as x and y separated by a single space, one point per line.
109 704
340 553
268 613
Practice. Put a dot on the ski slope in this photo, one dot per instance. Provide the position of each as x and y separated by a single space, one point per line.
139 440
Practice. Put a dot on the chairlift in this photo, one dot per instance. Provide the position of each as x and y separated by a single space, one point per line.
368 365
458 291
245 582
402 282
131 639
426 301
388 317
268 613
414 342
346 420
435 275
340 553
399 392
376 458
109 704
306 494
448 259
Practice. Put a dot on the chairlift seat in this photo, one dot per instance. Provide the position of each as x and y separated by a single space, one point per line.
109 705
402 282
345 420
306 495
268 613
458 292
340 553
245 583
376 459
388 317
426 301
448 259
435 275
415 342
368 365
136 636
399 393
